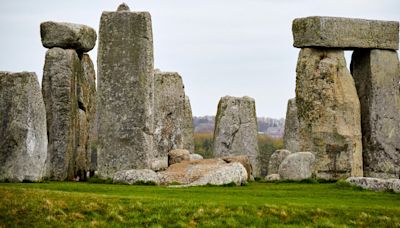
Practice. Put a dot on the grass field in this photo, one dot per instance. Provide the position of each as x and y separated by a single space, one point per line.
257 204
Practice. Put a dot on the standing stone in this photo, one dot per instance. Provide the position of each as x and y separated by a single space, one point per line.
169 103
377 77
291 135
125 92
23 137
61 71
346 33
329 113
87 103
236 130
188 131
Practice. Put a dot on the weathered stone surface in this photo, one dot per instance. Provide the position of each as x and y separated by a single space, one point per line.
375 184
291 134
242 159
160 163
396 186
297 166
377 76
87 102
273 177
276 159
61 70
187 128
68 36
177 156
236 130
81 166
23 137
226 174
347 33
329 113
134 176
169 102
202 172
193 157
125 92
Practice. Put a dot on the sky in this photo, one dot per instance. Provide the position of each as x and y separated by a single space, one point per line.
219 47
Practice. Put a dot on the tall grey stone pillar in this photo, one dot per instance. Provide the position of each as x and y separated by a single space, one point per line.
188 129
329 113
291 134
69 92
125 91
377 78
23 136
169 102
236 130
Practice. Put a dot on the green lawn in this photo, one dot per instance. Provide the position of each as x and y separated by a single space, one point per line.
258 205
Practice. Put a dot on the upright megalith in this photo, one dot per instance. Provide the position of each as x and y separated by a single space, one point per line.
169 103
345 33
69 91
188 129
23 138
60 73
125 92
291 134
377 77
328 113
235 130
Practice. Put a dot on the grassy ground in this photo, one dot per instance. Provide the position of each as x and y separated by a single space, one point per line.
258 205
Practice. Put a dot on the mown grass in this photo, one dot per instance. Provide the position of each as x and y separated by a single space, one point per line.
257 204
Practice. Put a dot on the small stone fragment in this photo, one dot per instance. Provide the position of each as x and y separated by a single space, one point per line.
242 159
123 7
193 157
297 166
177 156
273 177
276 159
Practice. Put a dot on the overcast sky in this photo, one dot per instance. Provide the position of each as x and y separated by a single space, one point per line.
220 47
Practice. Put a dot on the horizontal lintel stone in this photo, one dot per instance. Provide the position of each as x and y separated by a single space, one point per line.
345 33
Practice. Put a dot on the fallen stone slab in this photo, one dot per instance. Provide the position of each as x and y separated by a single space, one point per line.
178 155
203 172
346 33
23 134
244 160
273 177
82 38
135 176
375 184
193 157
